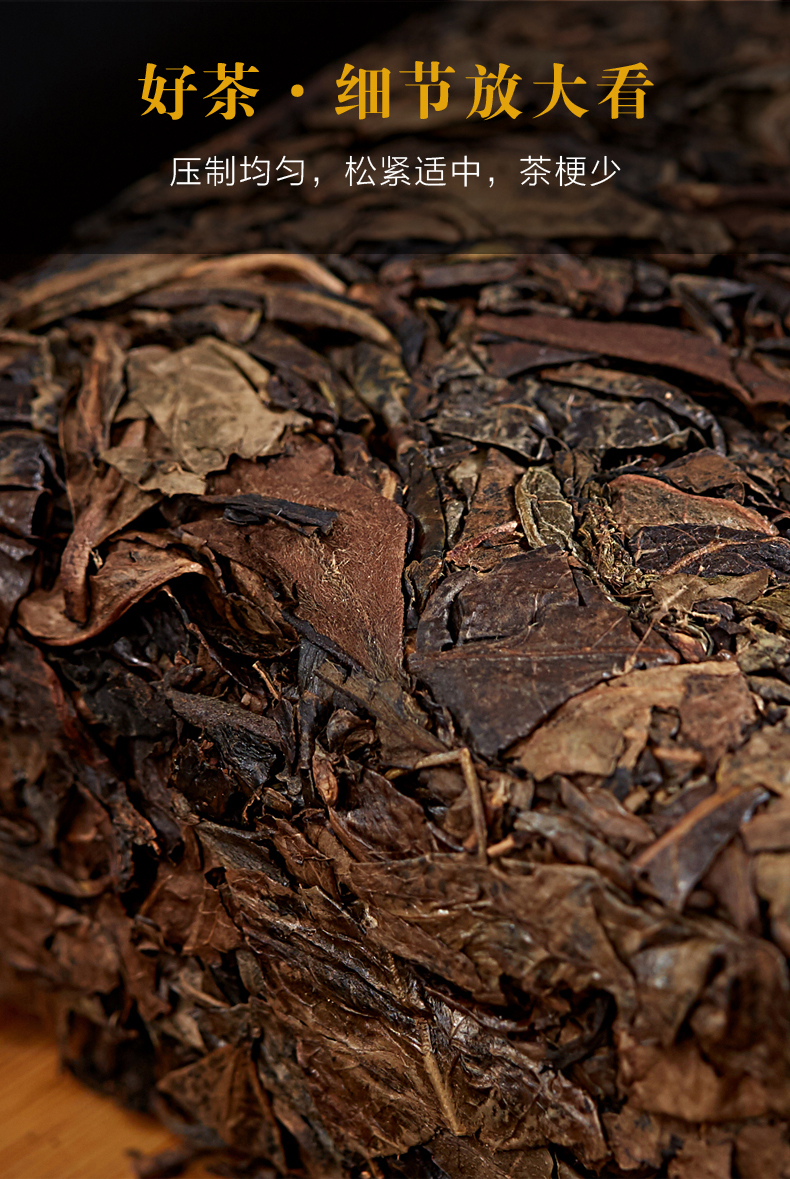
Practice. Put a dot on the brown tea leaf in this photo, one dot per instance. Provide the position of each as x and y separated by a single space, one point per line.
530 634
608 726
206 406
131 570
346 585
763 761
101 501
671 866
89 284
681 591
648 344
319 310
16 573
706 550
216 271
546 516
770 830
639 502
222 1090
762 1150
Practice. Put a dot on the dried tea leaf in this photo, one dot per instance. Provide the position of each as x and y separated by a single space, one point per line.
376 822
491 522
702 1160
571 842
762 1150
671 866
681 591
291 356
315 309
763 761
772 881
509 358
505 420
206 408
706 471
346 585
640 502
25 460
86 283
546 516
648 344
770 830
608 726
222 1091
101 501
189 913
221 720
706 550
637 1139
601 811
16 573
730 879
381 382
232 324
465 1158
528 635
466 272
19 511
587 422
774 606
154 466
216 271
132 568
631 386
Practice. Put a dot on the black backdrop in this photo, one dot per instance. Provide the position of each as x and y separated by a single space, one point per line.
71 135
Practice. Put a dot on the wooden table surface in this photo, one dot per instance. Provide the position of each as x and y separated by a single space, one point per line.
53 1127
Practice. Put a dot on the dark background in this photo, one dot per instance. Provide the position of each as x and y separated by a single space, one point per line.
71 132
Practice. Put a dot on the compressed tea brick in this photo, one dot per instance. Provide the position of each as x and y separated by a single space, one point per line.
395 685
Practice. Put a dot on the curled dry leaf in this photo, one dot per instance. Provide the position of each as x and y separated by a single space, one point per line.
648 344
640 388
216 271
102 503
705 471
83 285
546 516
763 761
208 404
346 586
132 569
318 310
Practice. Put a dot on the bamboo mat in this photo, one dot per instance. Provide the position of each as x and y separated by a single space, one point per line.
53 1127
